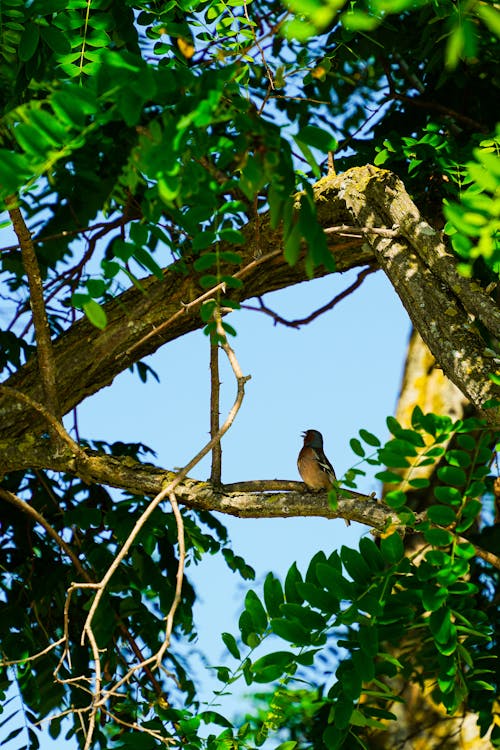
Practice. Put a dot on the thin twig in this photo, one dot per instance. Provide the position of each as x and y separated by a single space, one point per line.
203 297
329 306
179 579
261 51
484 554
45 354
216 469
38 518
347 231
52 422
26 659
107 226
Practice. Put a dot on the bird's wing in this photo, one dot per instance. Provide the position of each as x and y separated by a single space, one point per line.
324 464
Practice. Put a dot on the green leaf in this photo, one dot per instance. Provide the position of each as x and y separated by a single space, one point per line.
438 537
449 495
56 40
272 666
440 625
457 457
452 475
401 447
357 20
369 438
394 460
392 548
305 615
292 578
356 447
309 157
433 597
371 554
317 138
355 565
318 597
443 515
388 477
419 483
14 170
319 557
288 745
146 260
490 16
256 610
468 515
368 637
332 579
395 498
202 241
292 631
208 281
273 595
95 313
231 645
246 626
96 287
28 41
292 245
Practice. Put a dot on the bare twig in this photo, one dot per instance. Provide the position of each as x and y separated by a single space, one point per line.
261 52
344 230
484 554
34 656
106 226
329 306
42 331
52 422
215 474
179 579
38 518
205 296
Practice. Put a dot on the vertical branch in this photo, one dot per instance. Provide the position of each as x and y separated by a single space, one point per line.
40 322
179 579
215 474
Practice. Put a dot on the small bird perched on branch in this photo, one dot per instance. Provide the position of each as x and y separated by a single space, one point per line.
314 467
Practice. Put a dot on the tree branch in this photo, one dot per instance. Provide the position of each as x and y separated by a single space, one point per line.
216 468
422 273
46 366
309 318
37 517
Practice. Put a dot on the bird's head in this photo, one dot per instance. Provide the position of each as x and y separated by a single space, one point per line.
313 438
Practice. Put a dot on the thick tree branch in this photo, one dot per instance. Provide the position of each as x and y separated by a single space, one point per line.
46 368
440 304
275 498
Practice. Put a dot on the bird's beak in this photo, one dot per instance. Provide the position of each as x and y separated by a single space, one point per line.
303 434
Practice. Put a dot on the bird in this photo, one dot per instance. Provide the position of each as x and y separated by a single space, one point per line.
314 467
